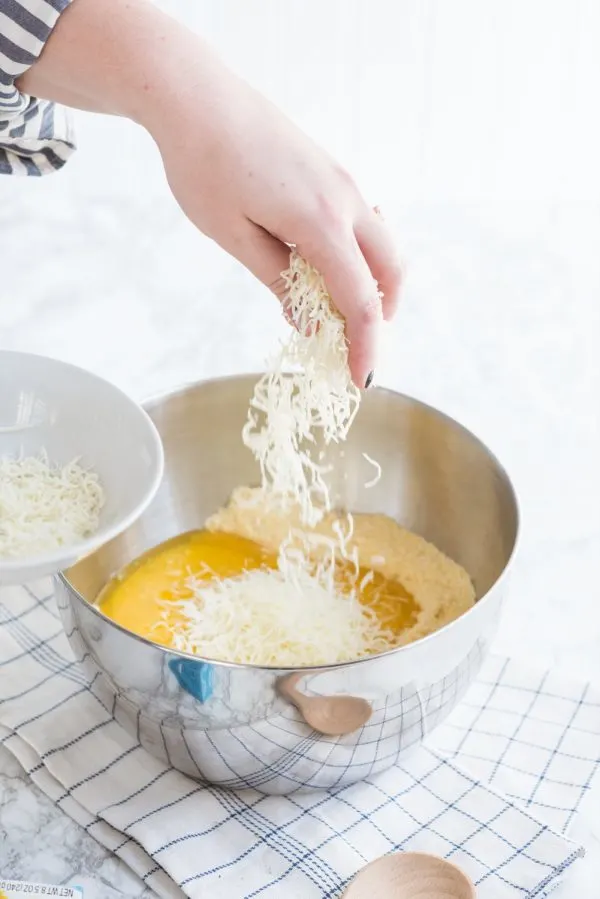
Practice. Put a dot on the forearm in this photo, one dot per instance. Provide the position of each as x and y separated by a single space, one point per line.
122 57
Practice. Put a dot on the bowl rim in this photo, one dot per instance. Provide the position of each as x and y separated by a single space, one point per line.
183 388
83 548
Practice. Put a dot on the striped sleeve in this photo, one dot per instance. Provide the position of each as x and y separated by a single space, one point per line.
35 135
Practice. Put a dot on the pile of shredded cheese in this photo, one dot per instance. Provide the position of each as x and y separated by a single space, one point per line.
307 392
44 506
291 616
263 618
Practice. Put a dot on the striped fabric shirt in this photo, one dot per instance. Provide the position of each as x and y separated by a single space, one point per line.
35 135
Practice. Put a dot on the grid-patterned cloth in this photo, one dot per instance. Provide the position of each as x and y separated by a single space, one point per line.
529 735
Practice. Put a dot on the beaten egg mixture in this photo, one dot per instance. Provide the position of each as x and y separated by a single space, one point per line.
414 590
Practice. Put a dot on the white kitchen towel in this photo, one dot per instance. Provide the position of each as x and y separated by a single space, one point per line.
494 793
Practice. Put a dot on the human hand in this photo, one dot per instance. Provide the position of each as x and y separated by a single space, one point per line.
253 182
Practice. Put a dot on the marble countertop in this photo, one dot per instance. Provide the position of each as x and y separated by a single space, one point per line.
499 327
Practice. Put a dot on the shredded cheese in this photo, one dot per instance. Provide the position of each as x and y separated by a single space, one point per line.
307 393
281 618
297 614
377 476
44 506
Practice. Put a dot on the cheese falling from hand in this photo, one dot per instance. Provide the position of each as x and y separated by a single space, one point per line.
308 392
44 507
297 614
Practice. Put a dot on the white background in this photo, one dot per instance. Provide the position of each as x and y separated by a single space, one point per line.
476 127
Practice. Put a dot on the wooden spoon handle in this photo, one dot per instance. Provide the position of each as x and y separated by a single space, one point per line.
332 716
286 687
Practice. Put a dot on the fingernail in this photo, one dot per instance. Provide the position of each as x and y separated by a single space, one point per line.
369 380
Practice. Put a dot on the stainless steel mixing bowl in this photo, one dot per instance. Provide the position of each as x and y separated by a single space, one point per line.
230 724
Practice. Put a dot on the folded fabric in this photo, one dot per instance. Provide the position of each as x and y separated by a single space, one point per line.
494 790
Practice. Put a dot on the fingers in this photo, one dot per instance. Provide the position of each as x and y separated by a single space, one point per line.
263 255
351 264
266 257
379 250
354 293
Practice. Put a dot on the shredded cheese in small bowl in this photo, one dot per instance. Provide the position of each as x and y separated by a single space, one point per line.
79 463
44 506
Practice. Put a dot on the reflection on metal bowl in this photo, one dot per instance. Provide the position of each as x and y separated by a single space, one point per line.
233 725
